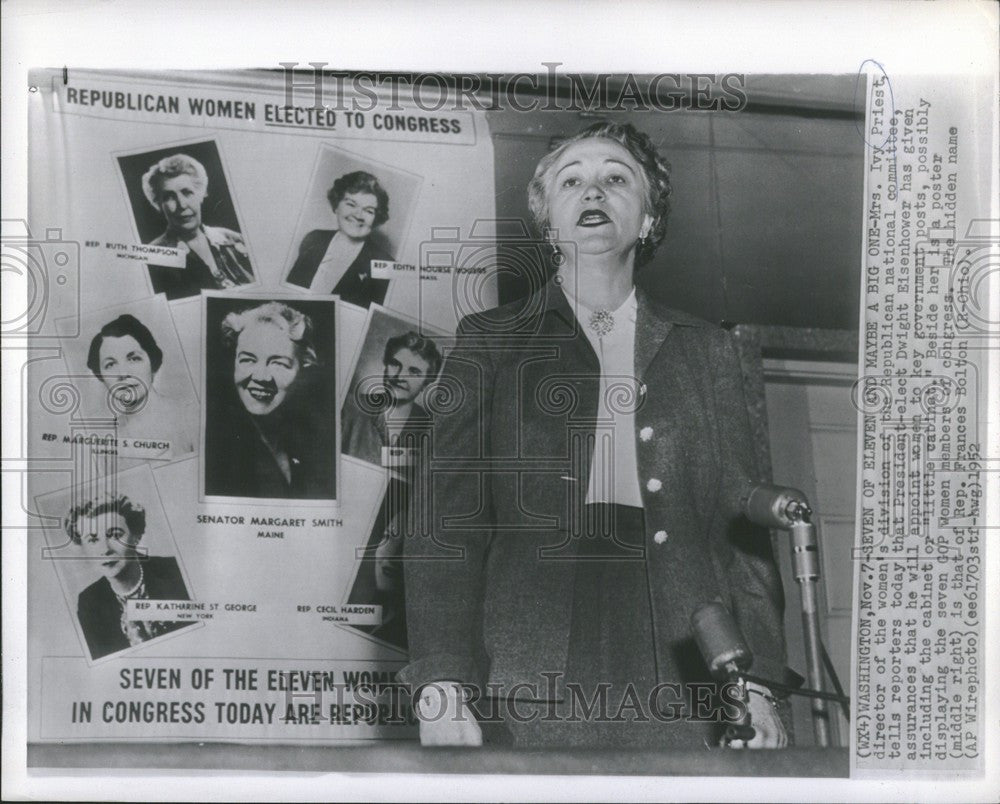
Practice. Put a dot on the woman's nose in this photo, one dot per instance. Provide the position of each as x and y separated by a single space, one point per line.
592 192
261 373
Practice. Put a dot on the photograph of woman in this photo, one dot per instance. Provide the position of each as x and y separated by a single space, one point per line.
339 260
126 358
107 529
380 571
269 428
216 258
585 491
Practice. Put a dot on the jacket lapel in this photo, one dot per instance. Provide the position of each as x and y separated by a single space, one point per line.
560 320
653 324
555 301
651 329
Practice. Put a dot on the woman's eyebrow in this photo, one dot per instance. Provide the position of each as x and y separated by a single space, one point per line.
625 165
568 165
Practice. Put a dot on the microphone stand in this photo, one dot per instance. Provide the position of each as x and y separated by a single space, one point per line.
788 509
805 692
741 729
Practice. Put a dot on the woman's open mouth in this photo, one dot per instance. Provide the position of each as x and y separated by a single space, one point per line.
261 394
593 217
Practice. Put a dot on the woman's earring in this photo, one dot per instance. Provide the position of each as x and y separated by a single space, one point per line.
557 256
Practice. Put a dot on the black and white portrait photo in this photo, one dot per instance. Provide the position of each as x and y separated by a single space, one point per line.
356 212
270 399
114 546
180 198
384 409
379 580
129 367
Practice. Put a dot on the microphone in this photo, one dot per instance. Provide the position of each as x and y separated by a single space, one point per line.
774 506
788 509
727 655
720 641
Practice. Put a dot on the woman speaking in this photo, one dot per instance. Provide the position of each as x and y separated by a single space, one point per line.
585 489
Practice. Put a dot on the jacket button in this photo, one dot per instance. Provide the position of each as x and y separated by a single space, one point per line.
646 434
660 536
653 484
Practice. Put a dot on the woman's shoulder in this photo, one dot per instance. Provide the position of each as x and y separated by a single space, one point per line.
517 317
657 308
88 601
165 239
376 249
223 236
685 325
315 237
711 343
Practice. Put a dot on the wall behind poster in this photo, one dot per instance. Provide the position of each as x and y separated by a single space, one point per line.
275 654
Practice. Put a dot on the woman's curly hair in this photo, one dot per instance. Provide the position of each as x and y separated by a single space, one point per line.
133 514
361 182
296 325
656 178
168 168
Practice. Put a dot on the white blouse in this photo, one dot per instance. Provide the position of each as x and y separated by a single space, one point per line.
614 468
339 255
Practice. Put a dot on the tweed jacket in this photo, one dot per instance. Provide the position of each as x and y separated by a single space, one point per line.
356 285
511 452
